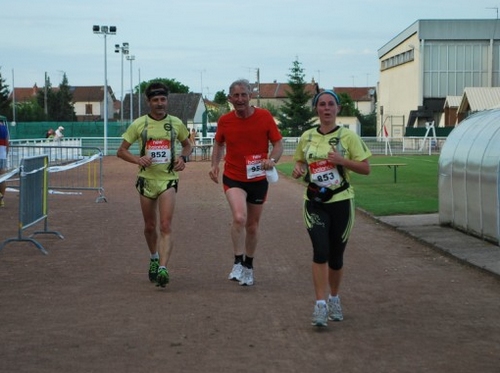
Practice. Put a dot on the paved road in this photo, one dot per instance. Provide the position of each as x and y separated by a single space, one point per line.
466 248
88 306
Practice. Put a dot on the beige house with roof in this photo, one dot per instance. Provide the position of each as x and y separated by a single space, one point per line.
264 94
364 98
88 101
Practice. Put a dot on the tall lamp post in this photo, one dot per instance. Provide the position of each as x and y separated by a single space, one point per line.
131 58
124 50
105 30
139 102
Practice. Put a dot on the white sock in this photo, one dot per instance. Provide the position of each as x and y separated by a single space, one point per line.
333 297
321 302
154 256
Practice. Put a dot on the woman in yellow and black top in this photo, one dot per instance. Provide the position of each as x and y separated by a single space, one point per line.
325 155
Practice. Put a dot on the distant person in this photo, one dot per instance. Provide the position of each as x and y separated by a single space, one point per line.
59 134
157 178
192 138
245 134
50 134
4 151
325 155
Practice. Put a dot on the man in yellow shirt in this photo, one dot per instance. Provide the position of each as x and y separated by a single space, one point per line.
157 179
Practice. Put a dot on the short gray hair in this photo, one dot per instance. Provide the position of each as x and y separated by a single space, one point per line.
241 82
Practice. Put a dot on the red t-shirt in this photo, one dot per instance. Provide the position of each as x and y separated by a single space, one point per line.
246 140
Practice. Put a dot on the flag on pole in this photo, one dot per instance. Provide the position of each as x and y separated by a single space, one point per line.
386 134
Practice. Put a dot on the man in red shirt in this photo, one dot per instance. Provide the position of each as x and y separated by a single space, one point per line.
245 133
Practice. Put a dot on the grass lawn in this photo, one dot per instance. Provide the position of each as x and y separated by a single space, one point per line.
415 192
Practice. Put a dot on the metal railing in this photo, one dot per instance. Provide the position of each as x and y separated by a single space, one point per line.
386 146
71 168
33 190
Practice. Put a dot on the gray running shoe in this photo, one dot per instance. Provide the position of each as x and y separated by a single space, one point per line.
320 315
236 272
335 310
246 277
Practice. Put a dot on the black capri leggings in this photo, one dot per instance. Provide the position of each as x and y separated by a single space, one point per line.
329 226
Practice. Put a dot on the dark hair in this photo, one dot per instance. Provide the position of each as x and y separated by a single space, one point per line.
328 92
156 89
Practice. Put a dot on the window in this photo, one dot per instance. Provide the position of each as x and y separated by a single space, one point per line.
88 109
450 67
398 59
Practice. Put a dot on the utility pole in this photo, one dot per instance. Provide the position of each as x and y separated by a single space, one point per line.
124 49
131 58
201 81
105 30
139 101
13 100
45 106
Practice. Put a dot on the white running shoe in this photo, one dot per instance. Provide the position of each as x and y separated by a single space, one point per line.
335 310
320 315
246 277
236 272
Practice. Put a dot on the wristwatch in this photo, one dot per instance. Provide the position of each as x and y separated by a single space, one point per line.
274 160
184 158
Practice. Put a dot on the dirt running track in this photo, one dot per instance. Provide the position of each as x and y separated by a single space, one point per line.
89 307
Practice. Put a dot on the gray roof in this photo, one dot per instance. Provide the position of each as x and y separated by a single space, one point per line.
446 29
452 101
181 105
479 99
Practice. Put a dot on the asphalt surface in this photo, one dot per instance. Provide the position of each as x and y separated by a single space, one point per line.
464 247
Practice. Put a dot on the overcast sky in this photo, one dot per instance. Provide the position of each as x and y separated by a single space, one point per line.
207 44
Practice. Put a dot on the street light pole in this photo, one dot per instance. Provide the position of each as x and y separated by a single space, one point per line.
105 30
131 58
124 50
139 95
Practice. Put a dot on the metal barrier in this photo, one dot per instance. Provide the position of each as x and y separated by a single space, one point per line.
71 168
33 192
386 146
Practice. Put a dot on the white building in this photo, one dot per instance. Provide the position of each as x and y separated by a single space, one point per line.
430 61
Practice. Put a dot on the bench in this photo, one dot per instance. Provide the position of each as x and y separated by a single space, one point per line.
394 166
204 150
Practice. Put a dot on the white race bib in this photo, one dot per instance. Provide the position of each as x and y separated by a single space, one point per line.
253 166
159 151
324 174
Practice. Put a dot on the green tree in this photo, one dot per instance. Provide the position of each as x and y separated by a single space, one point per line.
173 85
295 115
273 109
368 124
63 110
348 107
214 113
29 111
46 100
5 107
221 98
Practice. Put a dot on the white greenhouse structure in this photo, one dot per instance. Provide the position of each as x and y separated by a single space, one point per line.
469 177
